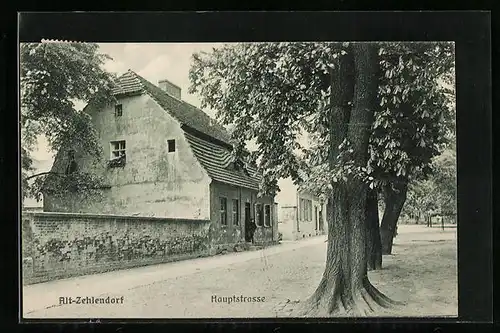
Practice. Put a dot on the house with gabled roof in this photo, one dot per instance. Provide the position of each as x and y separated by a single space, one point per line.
166 158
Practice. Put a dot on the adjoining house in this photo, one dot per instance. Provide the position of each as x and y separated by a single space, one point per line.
301 214
166 158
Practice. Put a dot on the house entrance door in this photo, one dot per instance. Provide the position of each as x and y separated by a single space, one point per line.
248 222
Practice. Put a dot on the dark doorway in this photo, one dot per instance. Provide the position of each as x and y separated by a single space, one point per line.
248 222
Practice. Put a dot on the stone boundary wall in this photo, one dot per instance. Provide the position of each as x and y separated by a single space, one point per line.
61 245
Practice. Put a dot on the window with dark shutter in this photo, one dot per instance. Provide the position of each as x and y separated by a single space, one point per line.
259 216
236 212
223 211
267 215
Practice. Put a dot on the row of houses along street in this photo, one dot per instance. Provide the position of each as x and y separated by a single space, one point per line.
172 193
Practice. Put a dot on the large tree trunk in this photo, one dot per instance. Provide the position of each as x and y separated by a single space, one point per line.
373 243
395 197
345 287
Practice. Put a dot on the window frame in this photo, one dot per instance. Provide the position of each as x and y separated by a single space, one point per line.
258 213
122 150
118 110
169 141
267 216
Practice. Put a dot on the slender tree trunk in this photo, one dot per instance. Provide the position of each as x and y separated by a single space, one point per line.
373 243
395 197
345 286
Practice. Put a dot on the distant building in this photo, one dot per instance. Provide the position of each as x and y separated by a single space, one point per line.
301 214
166 158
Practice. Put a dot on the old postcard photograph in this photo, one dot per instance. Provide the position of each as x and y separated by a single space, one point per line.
238 180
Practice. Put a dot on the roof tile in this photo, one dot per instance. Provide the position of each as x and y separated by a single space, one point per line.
216 160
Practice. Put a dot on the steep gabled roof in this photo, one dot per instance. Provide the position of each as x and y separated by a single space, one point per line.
185 113
209 140
217 161
128 83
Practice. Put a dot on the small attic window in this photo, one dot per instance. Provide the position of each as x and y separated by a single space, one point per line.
171 146
118 110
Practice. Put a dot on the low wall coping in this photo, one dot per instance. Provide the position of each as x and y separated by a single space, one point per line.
109 216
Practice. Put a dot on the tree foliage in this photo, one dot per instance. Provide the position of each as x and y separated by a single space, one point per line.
438 193
375 115
260 89
53 76
271 92
415 114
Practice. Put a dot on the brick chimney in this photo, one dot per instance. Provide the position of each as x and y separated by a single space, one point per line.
170 88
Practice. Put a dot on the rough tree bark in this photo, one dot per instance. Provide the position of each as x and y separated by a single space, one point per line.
394 197
373 243
344 287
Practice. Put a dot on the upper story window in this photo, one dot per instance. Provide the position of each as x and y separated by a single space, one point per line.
171 146
118 110
118 149
117 152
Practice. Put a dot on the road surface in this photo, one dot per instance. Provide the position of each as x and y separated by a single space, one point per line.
422 272
191 288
